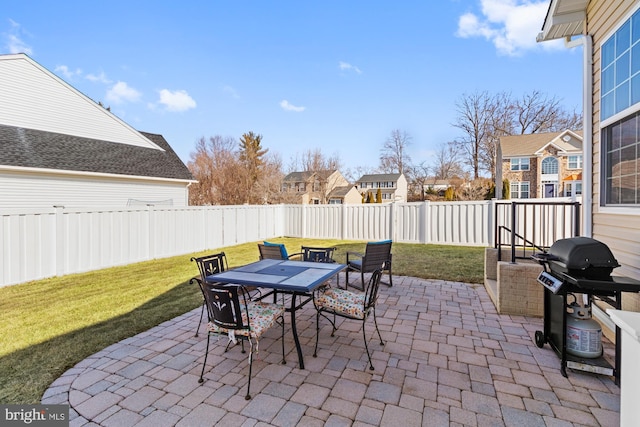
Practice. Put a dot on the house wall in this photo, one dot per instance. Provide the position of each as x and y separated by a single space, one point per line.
619 228
34 98
45 190
522 176
402 190
352 197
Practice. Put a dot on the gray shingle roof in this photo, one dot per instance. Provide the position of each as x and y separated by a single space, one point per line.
47 150
380 177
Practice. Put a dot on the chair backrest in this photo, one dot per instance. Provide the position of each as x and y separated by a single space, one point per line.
376 256
317 254
371 291
224 306
269 252
211 264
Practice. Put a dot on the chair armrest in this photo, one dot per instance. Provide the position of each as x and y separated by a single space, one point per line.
354 254
296 256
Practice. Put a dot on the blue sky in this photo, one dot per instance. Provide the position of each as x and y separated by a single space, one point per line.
335 75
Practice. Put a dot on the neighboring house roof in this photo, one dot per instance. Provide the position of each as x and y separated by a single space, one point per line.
340 192
305 176
298 176
533 144
380 177
29 148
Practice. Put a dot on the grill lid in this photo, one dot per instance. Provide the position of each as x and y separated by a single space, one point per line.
582 256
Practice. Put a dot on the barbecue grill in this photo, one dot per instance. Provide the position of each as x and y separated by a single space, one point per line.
579 265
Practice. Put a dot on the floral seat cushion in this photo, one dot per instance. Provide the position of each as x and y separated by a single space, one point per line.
342 301
262 316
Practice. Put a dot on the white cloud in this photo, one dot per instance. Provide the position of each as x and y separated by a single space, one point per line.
285 105
98 78
121 92
347 66
66 72
511 25
13 40
178 100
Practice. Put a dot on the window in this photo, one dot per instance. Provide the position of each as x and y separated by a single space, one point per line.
572 188
549 166
574 162
519 190
620 88
620 68
520 164
335 201
620 146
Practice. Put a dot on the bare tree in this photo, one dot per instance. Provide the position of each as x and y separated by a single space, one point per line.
421 175
225 175
537 113
394 157
446 163
475 115
215 165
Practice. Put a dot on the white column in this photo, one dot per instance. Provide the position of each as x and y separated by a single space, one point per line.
629 323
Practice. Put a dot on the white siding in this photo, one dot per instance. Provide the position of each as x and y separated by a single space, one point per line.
45 190
619 228
33 98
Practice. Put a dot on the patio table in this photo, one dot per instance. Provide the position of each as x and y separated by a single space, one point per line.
296 278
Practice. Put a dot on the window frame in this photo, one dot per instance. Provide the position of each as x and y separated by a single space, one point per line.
578 162
519 184
546 161
608 124
569 187
520 164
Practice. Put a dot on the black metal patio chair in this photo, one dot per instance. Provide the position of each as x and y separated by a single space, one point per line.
207 265
233 315
350 305
377 256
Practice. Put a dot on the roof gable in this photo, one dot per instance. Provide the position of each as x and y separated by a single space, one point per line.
32 97
534 144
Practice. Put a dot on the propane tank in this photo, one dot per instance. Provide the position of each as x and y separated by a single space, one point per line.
584 335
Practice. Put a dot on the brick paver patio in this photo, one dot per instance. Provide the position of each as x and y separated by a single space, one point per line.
449 360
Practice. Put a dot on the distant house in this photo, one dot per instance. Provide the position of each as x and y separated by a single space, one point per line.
542 165
60 148
345 195
313 188
393 186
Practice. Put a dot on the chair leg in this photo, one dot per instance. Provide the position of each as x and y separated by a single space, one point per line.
375 321
201 316
390 279
204 364
315 351
248 396
284 361
366 346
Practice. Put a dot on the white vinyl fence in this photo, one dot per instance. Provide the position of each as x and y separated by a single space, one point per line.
36 244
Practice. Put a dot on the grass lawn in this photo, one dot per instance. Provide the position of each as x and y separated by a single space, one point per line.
50 325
